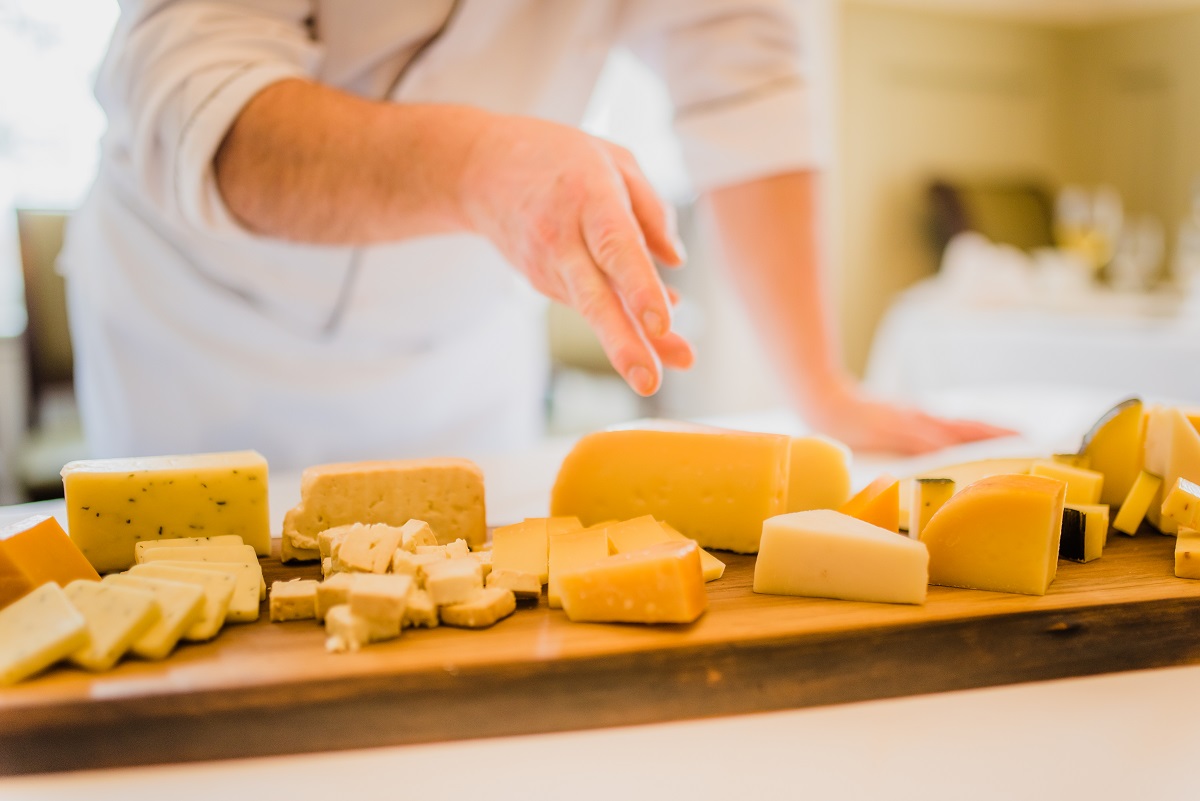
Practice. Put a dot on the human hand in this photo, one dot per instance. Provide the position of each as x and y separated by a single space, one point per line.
578 218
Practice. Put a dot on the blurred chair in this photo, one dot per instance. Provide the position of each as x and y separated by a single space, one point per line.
1013 213
53 434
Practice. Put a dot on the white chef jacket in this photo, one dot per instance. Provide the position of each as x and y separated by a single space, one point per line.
193 334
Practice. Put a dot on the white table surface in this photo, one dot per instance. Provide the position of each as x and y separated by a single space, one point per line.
1131 735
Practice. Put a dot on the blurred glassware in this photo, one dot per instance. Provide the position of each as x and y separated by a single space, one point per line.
1139 255
1185 266
1089 223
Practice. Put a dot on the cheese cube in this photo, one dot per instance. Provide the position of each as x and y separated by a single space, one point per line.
293 600
180 605
929 494
381 599
818 474
827 554
570 550
414 564
37 631
523 585
420 612
522 547
659 584
368 548
112 504
878 504
453 581
218 589
1000 534
1182 503
432 550
184 542
248 578
457 549
1093 536
415 534
36 550
716 487
334 591
326 540
346 631
1083 486
1140 498
116 617
482 610
1187 554
327 568
445 493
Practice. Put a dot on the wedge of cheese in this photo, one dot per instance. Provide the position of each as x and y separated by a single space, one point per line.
573 549
116 617
715 487
878 503
1114 447
113 504
1001 534
658 584
218 587
38 630
642 532
1172 451
827 554
180 605
248 576
36 550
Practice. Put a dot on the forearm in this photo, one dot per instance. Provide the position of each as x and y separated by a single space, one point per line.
308 163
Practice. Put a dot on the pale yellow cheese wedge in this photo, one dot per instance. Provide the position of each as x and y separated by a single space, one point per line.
38 630
642 532
1083 486
293 600
523 547
239 554
1114 447
1172 452
658 584
185 542
248 575
218 587
1000 534
573 549
1139 500
928 495
484 609
522 585
181 605
716 487
112 504
453 581
116 617
828 554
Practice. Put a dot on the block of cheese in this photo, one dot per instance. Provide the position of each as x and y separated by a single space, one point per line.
453 581
368 548
218 589
642 532
1182 504
963 474
381 599
570 550
522 585
184 542
1172 451
1139 500
1000 534
116 617
247 591
658 584
828 554
346 631
929 495
181 605
878 503
445 493
1084 532
1114 447
818 474
421 611
710 566
333 591
715 487
1187 553
1083 486
38 630
293 600
482 610
112 504
523 547
36 550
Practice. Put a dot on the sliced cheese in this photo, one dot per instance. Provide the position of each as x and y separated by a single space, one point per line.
818 474
1139 500
1000 534
38 630
116 617
185 542
181 605
218 587
244 605
658 584
293 600
827 554
573 549
36 550
878 504
484 609
112 504
1114 448
1083 486
523 547
240 554
929 495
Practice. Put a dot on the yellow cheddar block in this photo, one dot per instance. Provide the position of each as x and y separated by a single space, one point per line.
928 495
116 617
38 630
36 550
1114 447
1001 534
570 550
642 532
1083 486
445 493
715 487
218 587
1187 553
248 577
524 547
658 584
878 504
113 504
818 474
1182 504
1140 499
181 605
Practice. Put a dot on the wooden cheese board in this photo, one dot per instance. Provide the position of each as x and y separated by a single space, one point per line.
266 688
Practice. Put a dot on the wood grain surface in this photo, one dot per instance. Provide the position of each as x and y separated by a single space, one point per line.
267 688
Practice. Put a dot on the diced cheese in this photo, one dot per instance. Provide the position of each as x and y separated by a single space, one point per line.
184 542
1137 502
1182 503
38 630
218 589
327 569
346 631
333 591
116 617
819 474
929 495
415 534
523 547
112 504
453 581
327 539
381 599
827 554
658 584
368 548
1172 452
1187 553
421 611
1072 540
290 552
484 558
1114 447
1095 529
180 605
523 585
240 554
445 493
1000 534
574 549
878 504
36 550
715 487
244 605
1083 486
457 549
293 600
482 610
433 550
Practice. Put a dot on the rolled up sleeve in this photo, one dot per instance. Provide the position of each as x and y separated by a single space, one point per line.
734 74
176 78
